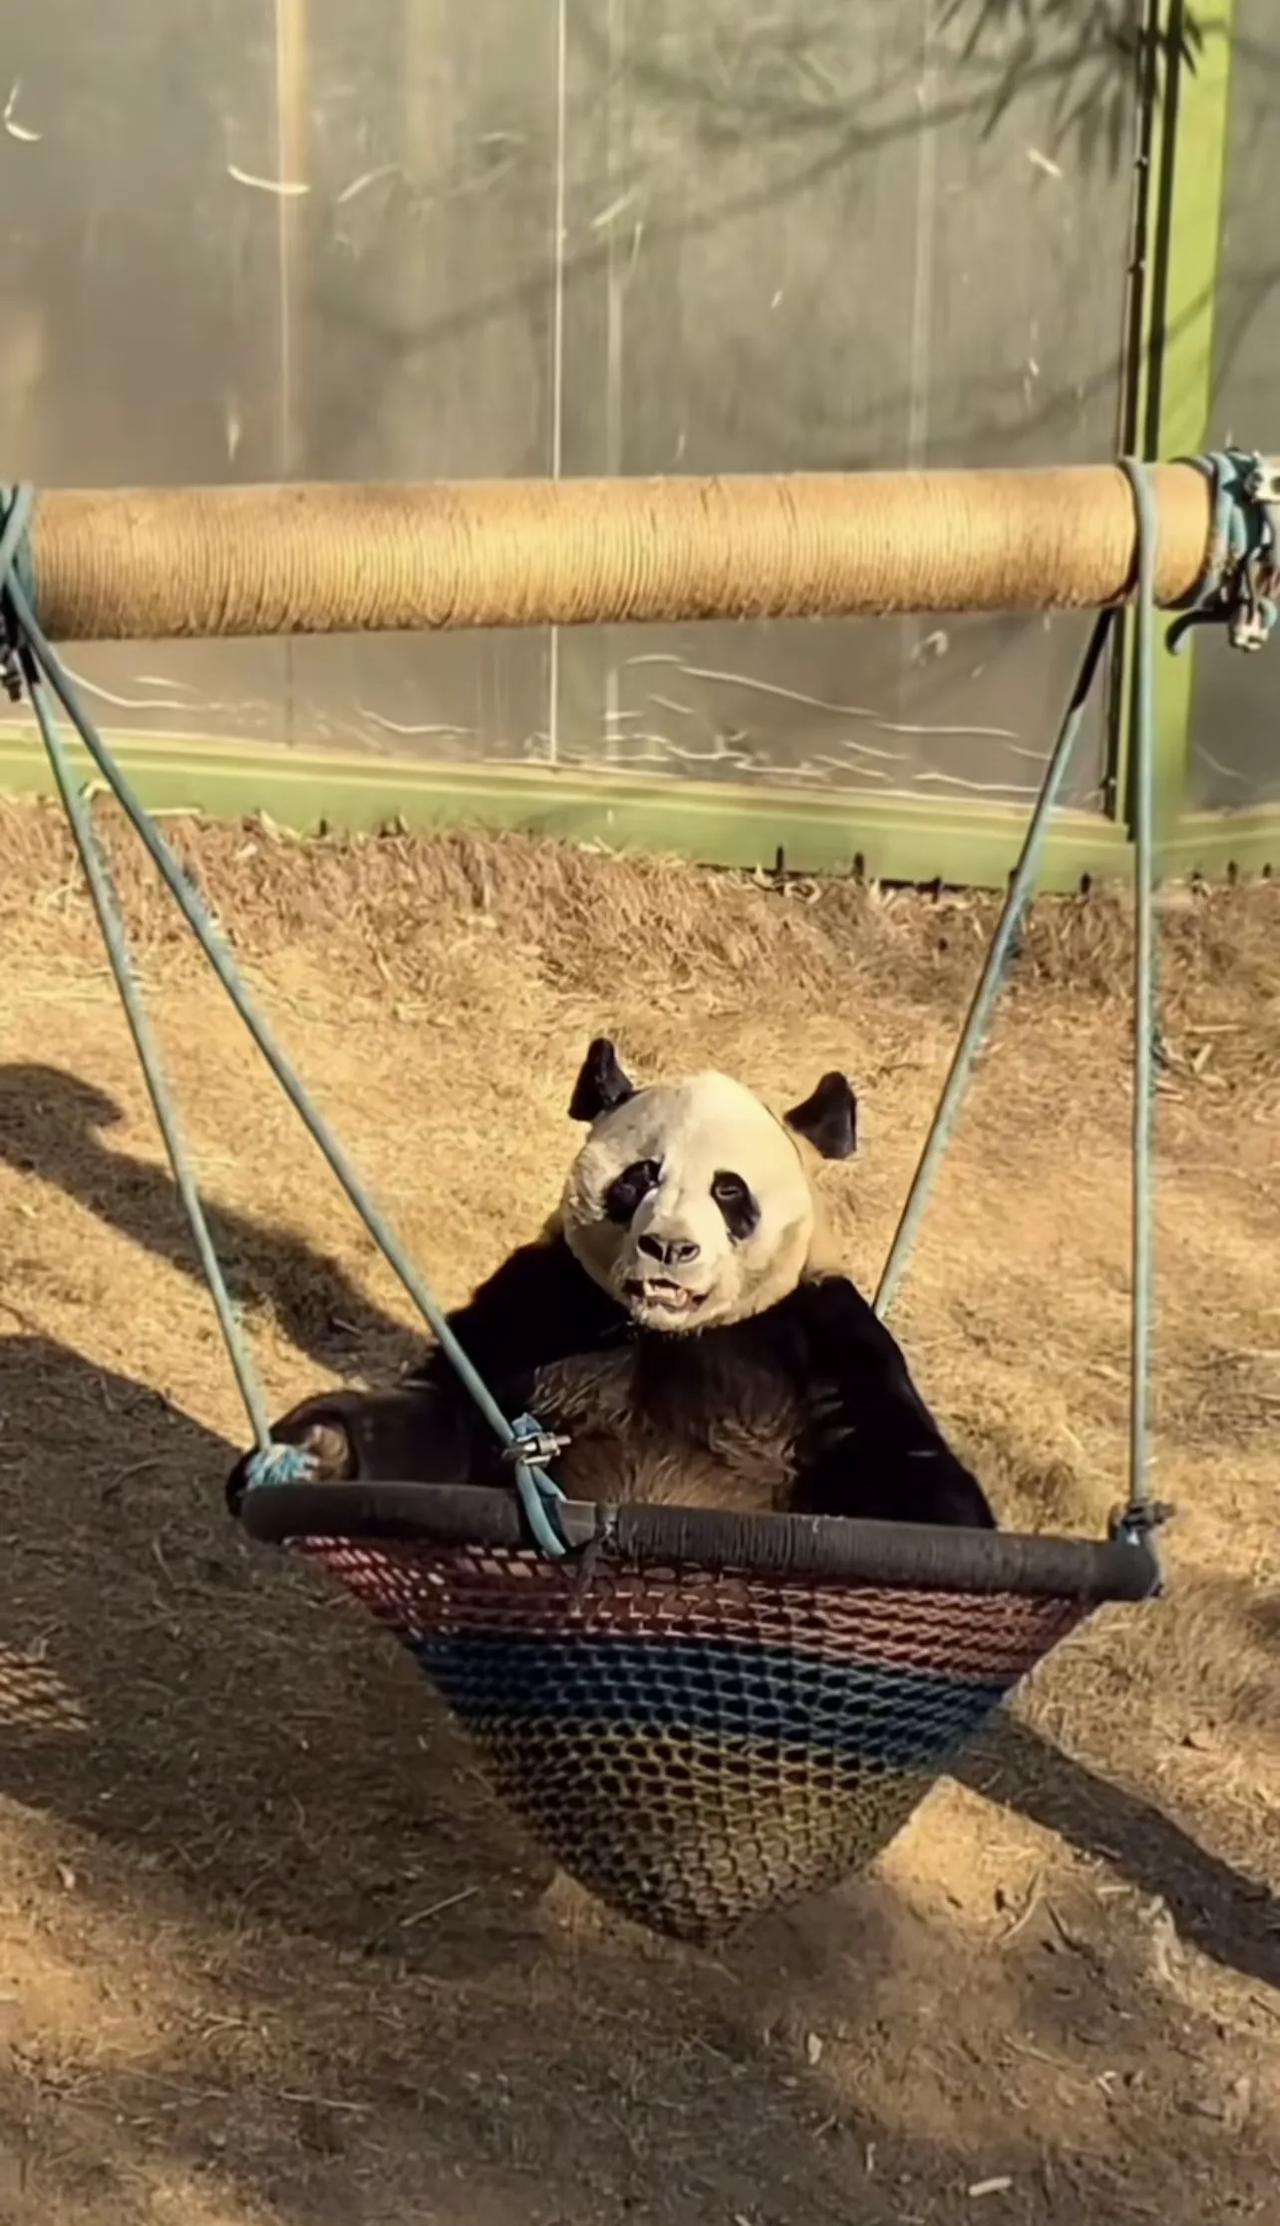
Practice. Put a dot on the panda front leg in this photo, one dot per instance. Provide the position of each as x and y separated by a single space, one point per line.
415 1434
873 1449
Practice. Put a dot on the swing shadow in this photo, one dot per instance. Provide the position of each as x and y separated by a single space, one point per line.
170 1687
50 1125
1217 1909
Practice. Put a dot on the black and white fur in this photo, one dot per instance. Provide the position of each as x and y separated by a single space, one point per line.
681 1322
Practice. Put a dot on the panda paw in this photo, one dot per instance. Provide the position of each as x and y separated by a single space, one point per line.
412 1435
318 1429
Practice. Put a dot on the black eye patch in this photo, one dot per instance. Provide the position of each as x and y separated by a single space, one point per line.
627 1189
741 1213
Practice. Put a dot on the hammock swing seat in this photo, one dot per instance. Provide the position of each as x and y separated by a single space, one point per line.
700 1715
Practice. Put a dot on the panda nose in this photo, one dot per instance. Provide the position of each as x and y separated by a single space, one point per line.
669 1252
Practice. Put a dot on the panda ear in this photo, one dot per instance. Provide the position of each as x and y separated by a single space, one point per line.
828 1119
601 1085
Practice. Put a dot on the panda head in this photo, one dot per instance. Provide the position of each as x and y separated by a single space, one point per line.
691 1203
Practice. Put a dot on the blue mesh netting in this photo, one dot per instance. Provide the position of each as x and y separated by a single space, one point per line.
697 1747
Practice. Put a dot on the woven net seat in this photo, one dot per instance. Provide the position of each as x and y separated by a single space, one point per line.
703 1716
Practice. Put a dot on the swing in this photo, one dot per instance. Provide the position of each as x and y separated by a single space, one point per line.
700 1715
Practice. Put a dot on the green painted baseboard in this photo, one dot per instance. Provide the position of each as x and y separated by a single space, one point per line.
1217 846
885 839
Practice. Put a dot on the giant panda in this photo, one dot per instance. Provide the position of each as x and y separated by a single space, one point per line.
682 1322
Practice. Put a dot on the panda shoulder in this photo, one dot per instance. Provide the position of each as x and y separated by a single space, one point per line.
539 1304
540 1268
832 1317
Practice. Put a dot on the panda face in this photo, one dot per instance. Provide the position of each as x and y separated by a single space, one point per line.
689 1202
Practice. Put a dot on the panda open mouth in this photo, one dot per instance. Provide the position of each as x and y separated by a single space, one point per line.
658 1295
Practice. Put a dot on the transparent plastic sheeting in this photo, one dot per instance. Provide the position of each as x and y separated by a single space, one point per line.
418 241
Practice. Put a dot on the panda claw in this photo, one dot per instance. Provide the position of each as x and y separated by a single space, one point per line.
329 1447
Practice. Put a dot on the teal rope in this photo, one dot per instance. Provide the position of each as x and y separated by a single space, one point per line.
106 904
995 968
1140 1513
1142 1277
536 1489
1236 590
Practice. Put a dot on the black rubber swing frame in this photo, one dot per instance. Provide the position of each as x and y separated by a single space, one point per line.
810 1549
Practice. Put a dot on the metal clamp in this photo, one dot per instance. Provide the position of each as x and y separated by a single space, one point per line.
530 1450
1135 1524
535 1448
1263 481
1250 625
1241 586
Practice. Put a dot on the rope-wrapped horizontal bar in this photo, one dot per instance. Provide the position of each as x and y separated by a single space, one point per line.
829 1548
169 563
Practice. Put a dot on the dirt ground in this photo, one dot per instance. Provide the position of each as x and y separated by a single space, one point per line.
270 1950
